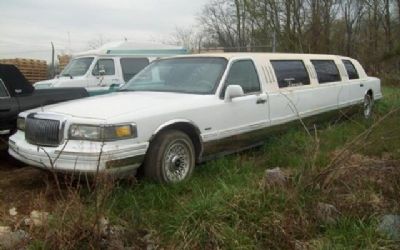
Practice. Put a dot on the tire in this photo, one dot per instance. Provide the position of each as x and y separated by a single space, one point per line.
170 158
368 106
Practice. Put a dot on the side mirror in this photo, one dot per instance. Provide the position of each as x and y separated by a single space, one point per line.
233 91
102 72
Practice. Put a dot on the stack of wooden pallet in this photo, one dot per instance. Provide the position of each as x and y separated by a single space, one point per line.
63 60
33 70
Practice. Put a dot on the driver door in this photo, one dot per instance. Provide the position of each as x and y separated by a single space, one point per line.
104 73
245 116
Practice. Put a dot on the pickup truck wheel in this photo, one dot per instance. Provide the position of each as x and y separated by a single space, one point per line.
368 105
171 157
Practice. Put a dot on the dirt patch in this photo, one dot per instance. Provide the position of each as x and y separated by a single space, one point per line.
19 184
363 184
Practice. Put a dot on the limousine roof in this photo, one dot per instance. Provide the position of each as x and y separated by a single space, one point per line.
261 57
264 55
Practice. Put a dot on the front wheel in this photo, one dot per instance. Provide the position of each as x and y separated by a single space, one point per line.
368 105
170 158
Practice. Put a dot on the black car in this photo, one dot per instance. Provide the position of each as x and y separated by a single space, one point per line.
17 95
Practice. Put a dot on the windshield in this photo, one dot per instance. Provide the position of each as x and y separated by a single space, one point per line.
77 67
183 75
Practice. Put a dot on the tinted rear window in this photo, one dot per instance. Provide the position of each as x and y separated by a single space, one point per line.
327 71
132 66
351 70
290 73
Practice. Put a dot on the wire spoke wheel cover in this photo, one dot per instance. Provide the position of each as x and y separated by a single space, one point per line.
368 103
177 161
171 157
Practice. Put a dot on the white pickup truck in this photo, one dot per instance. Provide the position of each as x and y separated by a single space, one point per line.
182 110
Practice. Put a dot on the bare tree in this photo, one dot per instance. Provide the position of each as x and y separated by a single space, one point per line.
352 12
97 42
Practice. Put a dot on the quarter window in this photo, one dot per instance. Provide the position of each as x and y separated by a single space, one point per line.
3 90
105 65
132 66
351 70
244 73
290 73
327 71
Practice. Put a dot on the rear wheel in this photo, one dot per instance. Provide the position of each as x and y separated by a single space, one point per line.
171 157
368 105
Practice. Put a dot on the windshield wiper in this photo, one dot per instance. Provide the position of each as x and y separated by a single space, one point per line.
70 76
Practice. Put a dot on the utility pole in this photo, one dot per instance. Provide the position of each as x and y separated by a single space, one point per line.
52 61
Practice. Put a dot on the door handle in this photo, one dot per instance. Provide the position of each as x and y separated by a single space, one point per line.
5 109
261 101
362 85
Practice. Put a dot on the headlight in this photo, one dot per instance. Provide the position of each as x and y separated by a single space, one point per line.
21 123
102 133
85 132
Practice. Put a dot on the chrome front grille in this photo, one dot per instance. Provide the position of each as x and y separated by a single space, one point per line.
43 132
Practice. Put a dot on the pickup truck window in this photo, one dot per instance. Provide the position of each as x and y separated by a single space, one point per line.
77 67
244 73
107 65
351 70
194 75
132 66
327 71
290 73
3 90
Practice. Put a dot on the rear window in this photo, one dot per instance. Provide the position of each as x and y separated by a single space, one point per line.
3 90
290 73
327 71
351 70
132 66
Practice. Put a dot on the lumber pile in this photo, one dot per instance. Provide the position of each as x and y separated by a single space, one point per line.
33 70
63 60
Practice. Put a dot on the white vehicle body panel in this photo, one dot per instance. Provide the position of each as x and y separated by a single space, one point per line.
213 118
114 51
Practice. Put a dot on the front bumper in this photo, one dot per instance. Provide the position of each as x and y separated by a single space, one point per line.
120 157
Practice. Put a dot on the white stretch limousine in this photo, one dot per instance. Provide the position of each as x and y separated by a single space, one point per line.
183 110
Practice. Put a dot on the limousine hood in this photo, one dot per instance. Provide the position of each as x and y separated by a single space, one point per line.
104 107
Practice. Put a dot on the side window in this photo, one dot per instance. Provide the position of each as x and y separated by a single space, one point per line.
351 70
3 90
132 66
290 73
105 65
244 73
327 71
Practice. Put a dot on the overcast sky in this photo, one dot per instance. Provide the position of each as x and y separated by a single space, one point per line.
28 26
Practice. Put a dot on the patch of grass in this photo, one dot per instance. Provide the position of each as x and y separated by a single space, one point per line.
352 233
223 204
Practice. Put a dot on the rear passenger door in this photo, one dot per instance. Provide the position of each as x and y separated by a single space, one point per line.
331 93
294 97
355 85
